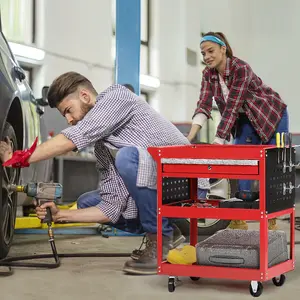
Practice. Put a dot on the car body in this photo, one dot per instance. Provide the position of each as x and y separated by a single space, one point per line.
21 115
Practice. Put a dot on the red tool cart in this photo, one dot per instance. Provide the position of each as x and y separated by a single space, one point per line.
178 168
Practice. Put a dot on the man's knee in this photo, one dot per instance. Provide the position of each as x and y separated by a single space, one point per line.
126 159
81 202
88 199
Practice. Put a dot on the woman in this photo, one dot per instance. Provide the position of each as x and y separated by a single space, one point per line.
250 110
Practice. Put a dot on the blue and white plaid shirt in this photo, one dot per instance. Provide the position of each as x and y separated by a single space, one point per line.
119 119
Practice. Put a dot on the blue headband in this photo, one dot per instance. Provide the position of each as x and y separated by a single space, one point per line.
212 38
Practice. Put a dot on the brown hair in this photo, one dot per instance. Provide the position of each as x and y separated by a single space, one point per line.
222 37
65 85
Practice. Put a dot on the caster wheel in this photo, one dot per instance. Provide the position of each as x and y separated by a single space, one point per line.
195 278
279 281
171 284
255 288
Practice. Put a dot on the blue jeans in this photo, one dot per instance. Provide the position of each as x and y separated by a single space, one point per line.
246 135
92 198
127 161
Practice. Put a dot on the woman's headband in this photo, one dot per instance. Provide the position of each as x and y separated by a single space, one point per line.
212 38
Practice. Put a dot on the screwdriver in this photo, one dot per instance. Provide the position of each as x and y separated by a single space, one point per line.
278 146
283 143
290 146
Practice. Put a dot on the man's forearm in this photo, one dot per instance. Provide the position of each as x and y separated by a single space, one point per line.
57 145
85 215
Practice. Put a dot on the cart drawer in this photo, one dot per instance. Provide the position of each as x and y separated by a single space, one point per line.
214 169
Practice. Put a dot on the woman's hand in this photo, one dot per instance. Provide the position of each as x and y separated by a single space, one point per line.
193 132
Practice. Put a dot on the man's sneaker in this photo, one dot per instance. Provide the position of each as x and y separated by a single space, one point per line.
146 264
178 239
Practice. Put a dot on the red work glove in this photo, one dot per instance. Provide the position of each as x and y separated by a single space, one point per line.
20 157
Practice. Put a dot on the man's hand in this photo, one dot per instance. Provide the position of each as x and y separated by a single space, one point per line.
6 150
41 211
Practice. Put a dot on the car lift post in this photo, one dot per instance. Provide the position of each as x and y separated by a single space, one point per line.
128 43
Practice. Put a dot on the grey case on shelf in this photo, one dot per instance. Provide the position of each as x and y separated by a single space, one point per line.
241 249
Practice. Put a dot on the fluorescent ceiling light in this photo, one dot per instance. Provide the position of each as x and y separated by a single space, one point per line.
149 81
27 51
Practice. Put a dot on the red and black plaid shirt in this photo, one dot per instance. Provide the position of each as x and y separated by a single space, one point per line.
262 105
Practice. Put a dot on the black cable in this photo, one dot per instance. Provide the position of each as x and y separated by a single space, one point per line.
17 261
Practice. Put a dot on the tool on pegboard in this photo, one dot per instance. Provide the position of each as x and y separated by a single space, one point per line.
278 146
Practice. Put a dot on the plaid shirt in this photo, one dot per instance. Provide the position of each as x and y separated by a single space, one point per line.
119 119
263 106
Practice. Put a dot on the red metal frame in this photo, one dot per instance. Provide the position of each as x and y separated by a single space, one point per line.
256 172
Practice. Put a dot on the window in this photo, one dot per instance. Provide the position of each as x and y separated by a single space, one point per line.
144 52
17 17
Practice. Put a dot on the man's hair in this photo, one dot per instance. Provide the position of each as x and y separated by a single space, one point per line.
65 85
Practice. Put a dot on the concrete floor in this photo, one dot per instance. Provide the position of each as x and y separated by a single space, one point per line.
102 278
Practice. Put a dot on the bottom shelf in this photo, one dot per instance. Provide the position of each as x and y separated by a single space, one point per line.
225 272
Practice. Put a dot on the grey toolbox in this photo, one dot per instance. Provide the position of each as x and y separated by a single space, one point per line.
240 249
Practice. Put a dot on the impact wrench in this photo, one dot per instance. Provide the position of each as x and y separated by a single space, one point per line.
45 192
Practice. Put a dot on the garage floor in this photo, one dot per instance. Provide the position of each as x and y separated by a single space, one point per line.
102 278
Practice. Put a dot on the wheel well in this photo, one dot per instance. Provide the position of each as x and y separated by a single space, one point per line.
15 118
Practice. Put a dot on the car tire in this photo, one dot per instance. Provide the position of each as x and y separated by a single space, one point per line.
8 200
184 226
216 193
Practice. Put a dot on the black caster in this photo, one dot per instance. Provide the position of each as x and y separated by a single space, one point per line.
195 278
279 281
255 288
171 284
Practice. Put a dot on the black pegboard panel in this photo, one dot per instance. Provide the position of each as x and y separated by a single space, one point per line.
276 199
175 189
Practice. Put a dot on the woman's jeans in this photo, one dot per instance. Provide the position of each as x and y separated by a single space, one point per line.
127 161
246 135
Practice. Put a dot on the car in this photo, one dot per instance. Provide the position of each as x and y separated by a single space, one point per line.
21 119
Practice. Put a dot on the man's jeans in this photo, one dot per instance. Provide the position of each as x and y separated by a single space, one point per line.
247 135
127 161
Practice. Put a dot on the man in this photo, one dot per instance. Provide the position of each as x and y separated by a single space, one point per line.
122 126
